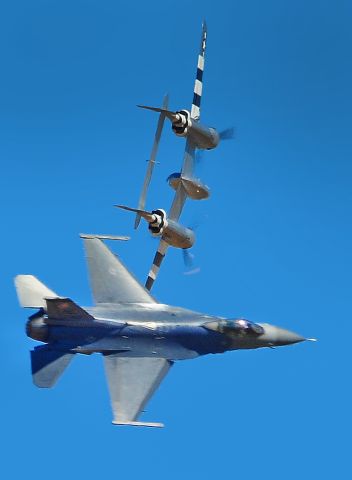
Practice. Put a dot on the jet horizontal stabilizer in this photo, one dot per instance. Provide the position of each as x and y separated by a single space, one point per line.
31 292
48 365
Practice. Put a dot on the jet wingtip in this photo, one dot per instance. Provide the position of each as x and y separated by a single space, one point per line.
138 424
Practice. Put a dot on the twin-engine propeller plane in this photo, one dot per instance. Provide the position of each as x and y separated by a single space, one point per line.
139 338
184 124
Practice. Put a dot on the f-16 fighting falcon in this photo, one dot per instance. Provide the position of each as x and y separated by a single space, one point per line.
139 338
184 124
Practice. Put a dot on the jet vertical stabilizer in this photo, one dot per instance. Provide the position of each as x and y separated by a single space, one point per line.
31 292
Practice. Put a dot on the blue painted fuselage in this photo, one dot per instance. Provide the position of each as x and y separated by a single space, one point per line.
152 330
142 331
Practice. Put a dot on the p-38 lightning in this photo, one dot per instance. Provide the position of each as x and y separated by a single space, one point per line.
139 338
184 124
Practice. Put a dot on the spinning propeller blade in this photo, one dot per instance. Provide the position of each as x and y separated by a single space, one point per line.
188 259
148 216
227 134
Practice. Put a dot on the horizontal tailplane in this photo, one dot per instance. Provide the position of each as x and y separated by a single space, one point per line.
48 365
31 292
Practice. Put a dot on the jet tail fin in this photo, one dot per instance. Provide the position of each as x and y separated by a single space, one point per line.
48 365
31 292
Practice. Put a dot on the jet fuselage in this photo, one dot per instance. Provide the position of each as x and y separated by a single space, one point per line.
147 330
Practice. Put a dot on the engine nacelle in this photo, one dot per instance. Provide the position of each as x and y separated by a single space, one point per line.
178 236
203 137
171 231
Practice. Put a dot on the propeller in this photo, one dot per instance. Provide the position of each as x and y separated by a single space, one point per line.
168 113
188 260
227 134
188 256
148 216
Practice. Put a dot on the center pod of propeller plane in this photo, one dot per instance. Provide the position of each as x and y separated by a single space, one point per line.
195 189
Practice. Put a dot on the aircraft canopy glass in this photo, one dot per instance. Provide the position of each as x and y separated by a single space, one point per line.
239 326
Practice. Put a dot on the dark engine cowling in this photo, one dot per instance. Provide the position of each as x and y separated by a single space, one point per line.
36 326
172 232
203 137
159 223
182 122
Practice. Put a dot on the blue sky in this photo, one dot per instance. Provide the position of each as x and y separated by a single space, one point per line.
274 241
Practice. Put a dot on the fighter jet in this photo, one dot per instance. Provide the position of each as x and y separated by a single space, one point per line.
139 338
184 124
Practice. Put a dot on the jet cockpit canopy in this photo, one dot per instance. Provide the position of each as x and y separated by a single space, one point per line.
239 326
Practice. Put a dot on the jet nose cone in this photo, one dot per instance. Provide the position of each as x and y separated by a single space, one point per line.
276 336
286 337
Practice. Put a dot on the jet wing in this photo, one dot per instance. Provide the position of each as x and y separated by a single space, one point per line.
110 280
132 382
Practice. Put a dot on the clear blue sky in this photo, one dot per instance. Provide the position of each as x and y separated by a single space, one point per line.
274 244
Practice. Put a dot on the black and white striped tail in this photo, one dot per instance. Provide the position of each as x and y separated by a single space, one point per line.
159 257
198 85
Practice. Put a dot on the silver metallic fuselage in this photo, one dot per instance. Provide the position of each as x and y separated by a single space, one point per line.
147 330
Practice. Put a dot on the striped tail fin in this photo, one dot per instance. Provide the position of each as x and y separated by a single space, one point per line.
198 84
